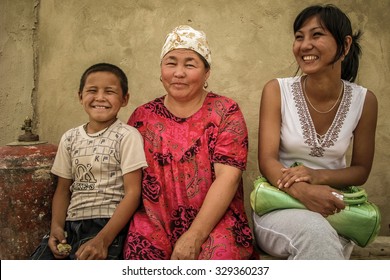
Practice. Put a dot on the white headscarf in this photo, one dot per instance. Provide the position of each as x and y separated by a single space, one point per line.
185 37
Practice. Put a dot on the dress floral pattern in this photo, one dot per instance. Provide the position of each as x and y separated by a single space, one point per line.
180 153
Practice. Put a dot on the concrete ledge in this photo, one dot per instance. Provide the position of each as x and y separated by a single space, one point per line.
379 249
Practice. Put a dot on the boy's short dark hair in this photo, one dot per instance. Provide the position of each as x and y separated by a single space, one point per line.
106 67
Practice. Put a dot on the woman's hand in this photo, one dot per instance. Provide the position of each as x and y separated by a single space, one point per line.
187 247
317 198
296 174
215 204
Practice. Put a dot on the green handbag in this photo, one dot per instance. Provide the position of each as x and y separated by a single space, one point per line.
359 221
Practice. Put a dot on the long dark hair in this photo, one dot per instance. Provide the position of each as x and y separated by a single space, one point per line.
339 25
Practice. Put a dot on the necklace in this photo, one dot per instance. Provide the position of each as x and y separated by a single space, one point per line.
96 135
311 105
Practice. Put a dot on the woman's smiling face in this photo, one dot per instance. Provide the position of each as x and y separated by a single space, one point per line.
314 47
183 74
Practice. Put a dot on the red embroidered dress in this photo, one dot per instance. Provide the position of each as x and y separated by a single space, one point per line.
180 153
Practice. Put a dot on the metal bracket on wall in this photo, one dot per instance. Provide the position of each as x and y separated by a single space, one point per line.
28 138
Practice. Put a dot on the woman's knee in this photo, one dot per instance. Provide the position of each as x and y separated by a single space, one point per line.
313 225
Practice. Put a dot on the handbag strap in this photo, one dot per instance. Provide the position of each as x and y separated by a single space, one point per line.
354 195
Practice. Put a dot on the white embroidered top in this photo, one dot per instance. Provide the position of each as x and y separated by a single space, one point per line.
299 139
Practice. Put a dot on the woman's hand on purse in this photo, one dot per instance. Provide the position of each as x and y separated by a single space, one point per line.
296 174
317 198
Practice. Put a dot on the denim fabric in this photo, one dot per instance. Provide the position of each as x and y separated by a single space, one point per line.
80 232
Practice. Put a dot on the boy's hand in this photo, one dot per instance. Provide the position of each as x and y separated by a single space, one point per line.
93 249
56 237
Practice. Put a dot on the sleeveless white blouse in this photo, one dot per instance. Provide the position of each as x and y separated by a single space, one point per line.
299 140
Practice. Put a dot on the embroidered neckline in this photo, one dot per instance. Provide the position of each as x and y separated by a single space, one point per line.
316 142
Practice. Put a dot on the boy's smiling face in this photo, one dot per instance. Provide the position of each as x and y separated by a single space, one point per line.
102 98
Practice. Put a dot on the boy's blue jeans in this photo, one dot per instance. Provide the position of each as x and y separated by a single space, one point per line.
80 232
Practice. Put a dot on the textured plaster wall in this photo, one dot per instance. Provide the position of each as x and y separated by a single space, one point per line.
250 41
17 67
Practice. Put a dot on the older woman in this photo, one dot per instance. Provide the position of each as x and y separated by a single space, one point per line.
196 146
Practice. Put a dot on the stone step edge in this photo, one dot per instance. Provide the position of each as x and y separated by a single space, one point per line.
379 247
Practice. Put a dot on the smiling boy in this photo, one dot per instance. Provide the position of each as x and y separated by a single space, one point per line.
99 167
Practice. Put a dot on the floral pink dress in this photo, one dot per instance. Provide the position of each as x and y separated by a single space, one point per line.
180 153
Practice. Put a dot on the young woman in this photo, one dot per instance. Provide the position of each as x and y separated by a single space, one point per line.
313 119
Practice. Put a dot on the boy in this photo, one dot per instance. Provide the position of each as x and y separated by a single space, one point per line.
99 167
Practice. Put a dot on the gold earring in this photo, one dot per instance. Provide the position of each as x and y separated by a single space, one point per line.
206 85
160 79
